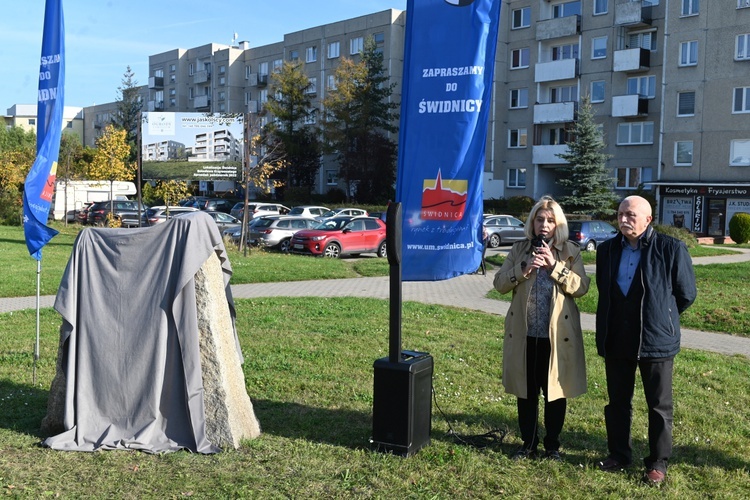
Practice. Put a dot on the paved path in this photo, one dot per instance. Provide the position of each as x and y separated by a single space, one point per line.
468 291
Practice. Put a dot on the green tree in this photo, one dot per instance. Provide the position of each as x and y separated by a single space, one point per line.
586 178
129 106
171 191
290 104
359 116
15 138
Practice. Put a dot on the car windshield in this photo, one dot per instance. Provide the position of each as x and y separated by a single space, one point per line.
330 213
297 211
332 224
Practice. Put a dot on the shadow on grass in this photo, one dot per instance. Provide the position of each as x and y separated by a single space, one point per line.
22 407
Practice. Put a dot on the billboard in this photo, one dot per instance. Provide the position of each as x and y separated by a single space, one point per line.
192 146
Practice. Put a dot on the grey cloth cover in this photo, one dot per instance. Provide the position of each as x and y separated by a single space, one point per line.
131 352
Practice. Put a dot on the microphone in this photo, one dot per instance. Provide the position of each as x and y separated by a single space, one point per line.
538 241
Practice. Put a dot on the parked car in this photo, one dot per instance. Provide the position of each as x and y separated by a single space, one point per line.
125 210
256 209
342 235
343 212
216 205
224 221
310 211
157 215
503 229
234 233
82 215
277 231
590 233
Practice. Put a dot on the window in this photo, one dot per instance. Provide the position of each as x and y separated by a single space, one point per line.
263 96
311 54
644 40
598 91
686 103
516 177
159 73
742 52
248 71
333 50
332 177
631 177
332 82
569 51
566 9
683 153
635 133
263 68
379 38
294 55
222 107
222 95
172 102
557 136
741 100
599 47
191 69
222 80
248 97
222 69
519 98
689 53
741 4
600 7
519 58
564 94
521 18
644 86
277 65
172 78
517 138
356 45
172 68
173 92
739 153
309 119
690 7
312 87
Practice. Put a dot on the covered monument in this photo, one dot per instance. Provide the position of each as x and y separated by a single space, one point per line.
149 357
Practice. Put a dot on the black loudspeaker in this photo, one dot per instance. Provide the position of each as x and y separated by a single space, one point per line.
402 404
393 233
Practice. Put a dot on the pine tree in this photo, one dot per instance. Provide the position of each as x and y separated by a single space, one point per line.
586 178
129 106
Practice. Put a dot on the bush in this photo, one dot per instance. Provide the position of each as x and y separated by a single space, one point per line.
680 233
739 227
11 207
335 195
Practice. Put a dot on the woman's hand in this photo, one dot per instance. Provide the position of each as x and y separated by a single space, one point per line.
542 257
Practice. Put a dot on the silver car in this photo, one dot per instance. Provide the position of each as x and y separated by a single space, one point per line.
503 229
276 232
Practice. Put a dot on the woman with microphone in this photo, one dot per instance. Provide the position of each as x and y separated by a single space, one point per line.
543 342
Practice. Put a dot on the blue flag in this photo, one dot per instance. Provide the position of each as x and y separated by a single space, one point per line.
40 182
449 58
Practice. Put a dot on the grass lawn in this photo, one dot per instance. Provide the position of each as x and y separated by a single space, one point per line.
311 380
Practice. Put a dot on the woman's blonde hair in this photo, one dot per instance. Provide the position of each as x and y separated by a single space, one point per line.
561 223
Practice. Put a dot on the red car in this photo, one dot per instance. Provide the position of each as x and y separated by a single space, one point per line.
341 235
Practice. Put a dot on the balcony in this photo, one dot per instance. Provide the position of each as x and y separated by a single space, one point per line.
633 15
155 105
262 80
547 155
632 60
156 82
565 69
201 76
201 101
629 105
556 112
558 27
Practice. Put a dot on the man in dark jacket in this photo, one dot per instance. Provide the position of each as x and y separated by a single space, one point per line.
645 281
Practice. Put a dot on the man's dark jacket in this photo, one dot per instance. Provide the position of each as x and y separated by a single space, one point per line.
666 273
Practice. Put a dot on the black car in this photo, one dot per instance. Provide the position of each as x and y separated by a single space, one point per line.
590 233
217 205
124 210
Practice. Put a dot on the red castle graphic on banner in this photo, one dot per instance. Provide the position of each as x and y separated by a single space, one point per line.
443 199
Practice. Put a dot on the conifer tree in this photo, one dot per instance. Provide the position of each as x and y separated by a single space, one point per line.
586 179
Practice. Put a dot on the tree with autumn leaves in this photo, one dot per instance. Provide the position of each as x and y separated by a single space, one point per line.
111 159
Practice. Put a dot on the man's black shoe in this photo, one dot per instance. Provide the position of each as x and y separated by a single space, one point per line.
553 455
611 465
523 453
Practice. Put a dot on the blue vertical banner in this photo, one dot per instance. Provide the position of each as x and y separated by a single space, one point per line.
449 59
40 181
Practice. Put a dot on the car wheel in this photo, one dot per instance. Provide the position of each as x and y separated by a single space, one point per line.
382 250
332 251
494 241
284 246
590 246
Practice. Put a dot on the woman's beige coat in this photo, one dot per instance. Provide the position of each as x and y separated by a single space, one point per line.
567 368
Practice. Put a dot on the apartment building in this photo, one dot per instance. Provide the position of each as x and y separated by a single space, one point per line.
215 78
24 116
667 82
